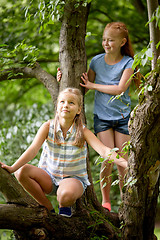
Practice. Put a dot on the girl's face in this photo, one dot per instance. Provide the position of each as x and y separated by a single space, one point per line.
112 41
67 106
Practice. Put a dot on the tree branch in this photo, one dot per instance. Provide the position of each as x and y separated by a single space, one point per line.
13 192
37 72
138 4
12 216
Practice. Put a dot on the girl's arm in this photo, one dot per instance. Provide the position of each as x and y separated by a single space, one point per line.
104 151
32 150
109 89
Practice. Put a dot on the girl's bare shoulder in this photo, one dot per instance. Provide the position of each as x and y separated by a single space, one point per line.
48 123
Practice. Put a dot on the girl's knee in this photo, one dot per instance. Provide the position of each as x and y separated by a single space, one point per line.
20 173
66 198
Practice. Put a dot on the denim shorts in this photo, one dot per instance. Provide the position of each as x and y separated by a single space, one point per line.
55 185
120 125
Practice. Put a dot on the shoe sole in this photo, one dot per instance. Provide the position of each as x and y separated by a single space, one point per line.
64 215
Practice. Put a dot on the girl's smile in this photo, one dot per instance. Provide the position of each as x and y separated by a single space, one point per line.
112 42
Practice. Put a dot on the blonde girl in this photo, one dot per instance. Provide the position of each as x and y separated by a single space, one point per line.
109 75
62 169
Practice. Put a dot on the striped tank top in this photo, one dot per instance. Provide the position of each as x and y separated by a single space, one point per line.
64 160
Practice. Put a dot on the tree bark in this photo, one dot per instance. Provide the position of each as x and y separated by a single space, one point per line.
72 54
140 198
89 219
32 221
154 30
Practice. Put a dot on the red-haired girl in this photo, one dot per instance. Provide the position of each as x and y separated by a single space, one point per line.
109 75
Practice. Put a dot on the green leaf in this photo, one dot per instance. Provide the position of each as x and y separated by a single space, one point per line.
116 182
114 149
149 53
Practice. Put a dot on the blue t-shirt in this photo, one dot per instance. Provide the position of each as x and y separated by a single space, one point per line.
107 107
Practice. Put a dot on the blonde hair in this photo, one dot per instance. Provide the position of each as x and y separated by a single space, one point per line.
79 136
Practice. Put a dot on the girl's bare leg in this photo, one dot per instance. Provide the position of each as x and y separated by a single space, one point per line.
37 182
120 140
107 138
69 190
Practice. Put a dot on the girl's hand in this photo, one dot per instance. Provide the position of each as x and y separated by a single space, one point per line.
59 75
8 168
87 83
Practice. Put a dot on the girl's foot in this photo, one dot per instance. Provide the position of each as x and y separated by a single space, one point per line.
107 205
65 211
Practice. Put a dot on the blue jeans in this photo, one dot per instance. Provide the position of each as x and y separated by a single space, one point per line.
120 125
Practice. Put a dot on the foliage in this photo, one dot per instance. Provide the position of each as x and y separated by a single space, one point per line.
21 54
143 57
103 12
30 33
18 128
156 16
6 235
48 12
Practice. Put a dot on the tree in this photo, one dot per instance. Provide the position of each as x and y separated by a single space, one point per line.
138 213
90 219
154 30
73 31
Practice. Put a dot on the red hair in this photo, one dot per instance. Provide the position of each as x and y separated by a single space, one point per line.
122 30
126 49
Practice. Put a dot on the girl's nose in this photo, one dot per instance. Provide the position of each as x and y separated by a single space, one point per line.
106 42
65 103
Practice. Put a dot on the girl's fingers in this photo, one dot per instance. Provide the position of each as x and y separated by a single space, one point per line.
83 79
59 75
85 75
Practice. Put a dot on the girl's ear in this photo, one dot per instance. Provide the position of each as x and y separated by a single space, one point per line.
124 40
79 111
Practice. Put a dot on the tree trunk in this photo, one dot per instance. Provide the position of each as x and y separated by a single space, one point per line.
22 213
141 193
72 54
90 221
152 5
138 212
30 221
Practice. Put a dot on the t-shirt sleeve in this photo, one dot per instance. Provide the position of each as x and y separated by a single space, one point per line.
129 63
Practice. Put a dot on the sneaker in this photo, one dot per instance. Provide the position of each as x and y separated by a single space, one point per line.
65 211
107 205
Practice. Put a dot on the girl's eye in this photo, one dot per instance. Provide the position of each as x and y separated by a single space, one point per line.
61 101
71 102
108 40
